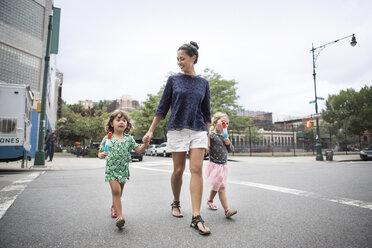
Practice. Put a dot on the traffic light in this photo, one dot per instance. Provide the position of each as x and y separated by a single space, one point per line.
38 106
308 124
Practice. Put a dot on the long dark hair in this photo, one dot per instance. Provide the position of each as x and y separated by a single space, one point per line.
191 49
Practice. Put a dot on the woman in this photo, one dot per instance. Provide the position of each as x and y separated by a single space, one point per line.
187 95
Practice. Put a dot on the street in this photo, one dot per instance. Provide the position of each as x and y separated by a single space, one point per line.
281 202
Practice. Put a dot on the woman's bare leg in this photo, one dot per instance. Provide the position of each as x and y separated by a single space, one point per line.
179 162
196 182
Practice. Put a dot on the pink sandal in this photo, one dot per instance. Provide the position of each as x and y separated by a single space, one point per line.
113 214
229 212
211 206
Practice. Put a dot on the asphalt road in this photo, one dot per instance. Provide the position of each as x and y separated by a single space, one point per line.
281 202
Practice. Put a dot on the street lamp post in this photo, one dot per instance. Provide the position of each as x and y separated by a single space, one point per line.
294 143
250 141
315 51
40 155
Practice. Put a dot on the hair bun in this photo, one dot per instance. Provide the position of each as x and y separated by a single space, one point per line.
194 44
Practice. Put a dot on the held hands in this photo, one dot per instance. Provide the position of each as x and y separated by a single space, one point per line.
147 138
102 155
146 144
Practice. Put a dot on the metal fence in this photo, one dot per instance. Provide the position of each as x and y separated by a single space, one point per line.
281 143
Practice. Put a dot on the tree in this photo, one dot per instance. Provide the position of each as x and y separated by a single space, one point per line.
144 117
240 123
350 110
102 103
244 125
223 93
76 108
79 125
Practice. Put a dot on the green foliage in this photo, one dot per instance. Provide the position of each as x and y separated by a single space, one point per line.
223 93
241 124
78 124
350 110
143 118
93 153
102 104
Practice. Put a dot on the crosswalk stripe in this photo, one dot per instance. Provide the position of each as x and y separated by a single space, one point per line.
17 188
340 200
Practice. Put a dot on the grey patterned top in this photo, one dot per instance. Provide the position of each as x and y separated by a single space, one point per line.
219 151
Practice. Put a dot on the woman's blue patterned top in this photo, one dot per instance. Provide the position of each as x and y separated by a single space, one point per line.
189 100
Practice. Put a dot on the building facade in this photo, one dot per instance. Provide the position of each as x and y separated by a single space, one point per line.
280 140
260 119
23 39
86 103
128 104
125 103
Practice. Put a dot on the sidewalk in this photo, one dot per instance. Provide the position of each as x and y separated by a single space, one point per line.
68 161
296 159
61 161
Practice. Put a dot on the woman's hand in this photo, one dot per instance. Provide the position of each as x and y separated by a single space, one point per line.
102 155
227 141
147 138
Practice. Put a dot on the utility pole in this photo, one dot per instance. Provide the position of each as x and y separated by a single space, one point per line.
40 154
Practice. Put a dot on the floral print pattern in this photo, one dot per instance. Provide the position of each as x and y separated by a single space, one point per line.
118 158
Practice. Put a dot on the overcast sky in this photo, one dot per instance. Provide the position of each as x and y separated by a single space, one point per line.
115 47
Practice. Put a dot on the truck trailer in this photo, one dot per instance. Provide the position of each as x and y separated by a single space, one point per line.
16 101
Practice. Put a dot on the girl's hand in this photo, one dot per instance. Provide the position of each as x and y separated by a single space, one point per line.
102 155
146 144
142 148
227 141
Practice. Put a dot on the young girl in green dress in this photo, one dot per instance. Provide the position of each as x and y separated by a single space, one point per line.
118 158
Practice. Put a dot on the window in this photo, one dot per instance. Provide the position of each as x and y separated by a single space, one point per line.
18 67
8 126
23 15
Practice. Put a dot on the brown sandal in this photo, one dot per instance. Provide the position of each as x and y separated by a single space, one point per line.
120 221
194 223
176 204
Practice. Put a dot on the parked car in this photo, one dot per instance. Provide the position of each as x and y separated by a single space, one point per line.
366 153
150 151
206 156
135 155
162 150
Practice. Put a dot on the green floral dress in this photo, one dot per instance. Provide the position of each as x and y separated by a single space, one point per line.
118 158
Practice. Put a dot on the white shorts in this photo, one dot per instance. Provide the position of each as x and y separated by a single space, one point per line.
186 139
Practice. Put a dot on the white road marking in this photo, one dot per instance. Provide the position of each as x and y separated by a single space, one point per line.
340 200
17 188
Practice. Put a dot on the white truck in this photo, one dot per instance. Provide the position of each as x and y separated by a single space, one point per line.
16 102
